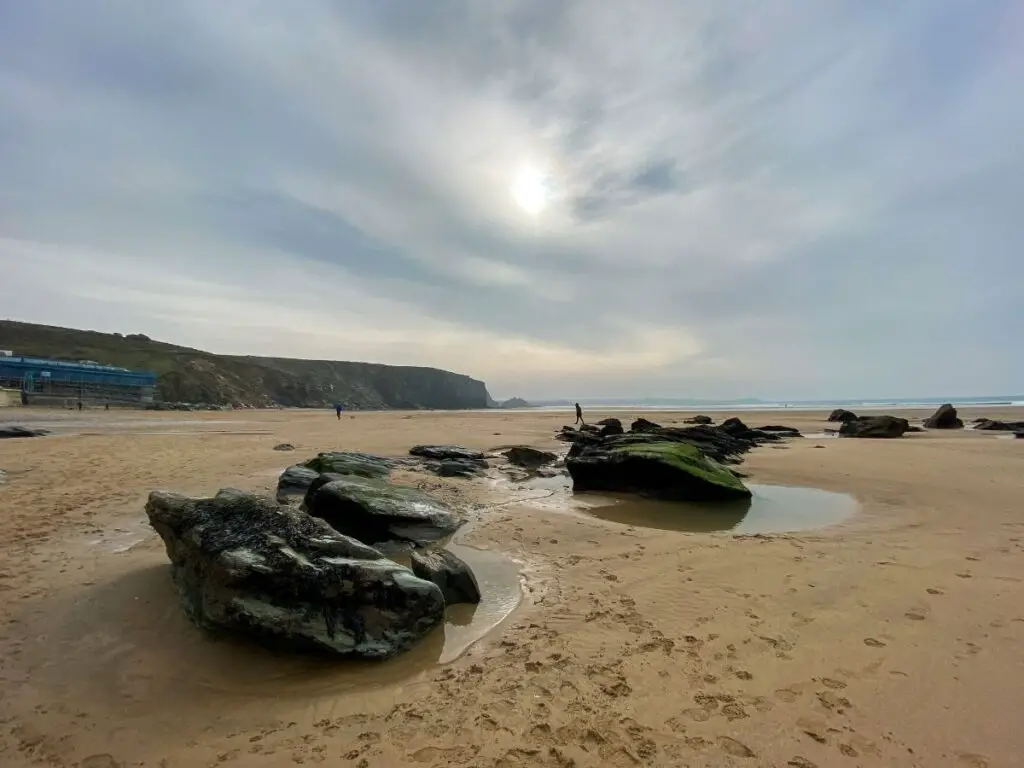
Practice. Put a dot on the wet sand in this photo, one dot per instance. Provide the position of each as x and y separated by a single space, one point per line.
893 637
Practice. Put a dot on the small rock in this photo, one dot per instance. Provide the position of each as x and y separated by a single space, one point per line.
531 458
284 447
699 419
15 430
450 573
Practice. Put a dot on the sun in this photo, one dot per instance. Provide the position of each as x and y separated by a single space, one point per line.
530 191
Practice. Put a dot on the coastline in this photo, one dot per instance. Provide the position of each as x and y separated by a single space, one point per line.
634 646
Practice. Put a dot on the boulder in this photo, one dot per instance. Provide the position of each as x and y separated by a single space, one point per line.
284 447
451 575
379 513
610 422
734 426
662 469
531 458
841 414
14 430
644 425
699 419
614 428
944 418
352 463
248 566
439 452
294 482
458 468
875 426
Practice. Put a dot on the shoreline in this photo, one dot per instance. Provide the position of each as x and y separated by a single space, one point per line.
641 644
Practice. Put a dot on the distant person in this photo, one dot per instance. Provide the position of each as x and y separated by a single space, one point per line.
106 406
338 408
79 405
579 415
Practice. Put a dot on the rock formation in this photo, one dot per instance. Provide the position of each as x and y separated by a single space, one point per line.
529 458
841 414
699 419
246 565
875 426
13 430
944 418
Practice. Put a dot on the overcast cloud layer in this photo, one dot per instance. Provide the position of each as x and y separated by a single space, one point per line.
746 198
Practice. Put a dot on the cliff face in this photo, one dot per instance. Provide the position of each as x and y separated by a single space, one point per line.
191 375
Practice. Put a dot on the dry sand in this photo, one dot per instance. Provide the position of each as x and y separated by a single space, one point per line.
895 639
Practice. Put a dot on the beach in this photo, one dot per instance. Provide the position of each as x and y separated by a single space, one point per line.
894 637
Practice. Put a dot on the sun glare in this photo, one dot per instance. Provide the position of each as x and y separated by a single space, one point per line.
530 191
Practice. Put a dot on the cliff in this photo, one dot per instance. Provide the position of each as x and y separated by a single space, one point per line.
195 376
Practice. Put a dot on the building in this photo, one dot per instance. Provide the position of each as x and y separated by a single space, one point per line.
41 380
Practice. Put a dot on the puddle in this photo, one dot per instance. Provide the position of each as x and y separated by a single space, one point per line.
821 435
773 508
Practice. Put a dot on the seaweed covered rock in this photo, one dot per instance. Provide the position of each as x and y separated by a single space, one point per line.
992 425
841 414
875 426
530 458
14 430
458 468
249 566
944 418
352 463
379 513
440 452
662 469
699 419
450 573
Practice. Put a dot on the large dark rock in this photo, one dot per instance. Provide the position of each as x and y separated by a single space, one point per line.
734 426
944 418
663 469
14 430
379 513
611 421
530 458
875 426
246 565
294 482
841 414
352 463
439 452
587 433
990 425
699 419
452 576
644 425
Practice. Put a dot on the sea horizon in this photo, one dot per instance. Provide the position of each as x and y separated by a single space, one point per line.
751 404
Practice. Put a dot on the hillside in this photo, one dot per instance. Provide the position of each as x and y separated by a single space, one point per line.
191 375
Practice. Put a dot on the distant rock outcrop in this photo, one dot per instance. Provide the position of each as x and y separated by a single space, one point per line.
944 418
875 426
514 402
251 567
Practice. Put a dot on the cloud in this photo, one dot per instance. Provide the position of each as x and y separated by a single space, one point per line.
747 199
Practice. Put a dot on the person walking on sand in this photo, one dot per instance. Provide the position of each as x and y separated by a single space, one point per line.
338 409
579 415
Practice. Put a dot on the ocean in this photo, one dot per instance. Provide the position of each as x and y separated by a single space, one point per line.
791 405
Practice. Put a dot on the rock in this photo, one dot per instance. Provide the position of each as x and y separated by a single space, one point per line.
734 427
284 447
610 422
15 430
875 426
586 433
990 425
458 468
944 418
531 458
699 419
379 513
615 428
514 402
663 469
841 414
779 430
352 463
294 482
441 452
246 565
451 575
643 425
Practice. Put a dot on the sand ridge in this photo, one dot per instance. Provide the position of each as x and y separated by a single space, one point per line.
893 639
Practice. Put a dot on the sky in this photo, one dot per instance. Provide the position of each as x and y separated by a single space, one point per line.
589 198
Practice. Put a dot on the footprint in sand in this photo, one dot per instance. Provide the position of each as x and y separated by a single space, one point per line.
933 591
972 760
735 748
873 643
801 762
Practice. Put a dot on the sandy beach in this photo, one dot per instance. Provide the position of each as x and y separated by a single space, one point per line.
894 638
